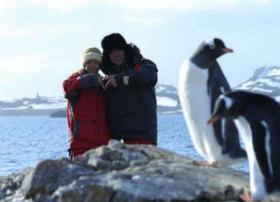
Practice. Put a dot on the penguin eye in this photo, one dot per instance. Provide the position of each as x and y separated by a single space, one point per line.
212 46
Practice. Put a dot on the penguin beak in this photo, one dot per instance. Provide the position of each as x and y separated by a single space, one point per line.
213 119
227 50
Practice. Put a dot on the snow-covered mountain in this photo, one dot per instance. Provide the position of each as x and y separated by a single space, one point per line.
167 101
266 80
39 102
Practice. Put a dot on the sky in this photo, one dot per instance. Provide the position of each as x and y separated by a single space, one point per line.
41 41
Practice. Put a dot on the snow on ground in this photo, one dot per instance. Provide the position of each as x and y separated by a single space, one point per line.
50 106
246 85
14 108
276 78
260 81
58 105
261 90
277 98
55 103
274 72
56 99
166 101
159 88
268 82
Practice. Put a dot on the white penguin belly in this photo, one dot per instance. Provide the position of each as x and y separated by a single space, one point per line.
257 186
195 104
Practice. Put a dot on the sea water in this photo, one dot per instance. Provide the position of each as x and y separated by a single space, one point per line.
25 141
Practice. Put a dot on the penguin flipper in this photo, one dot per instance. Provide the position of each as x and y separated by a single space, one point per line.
275 154
232 144
225 130
259 141
217 84
215 89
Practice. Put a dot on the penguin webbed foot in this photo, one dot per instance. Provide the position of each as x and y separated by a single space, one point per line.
206 164
246 197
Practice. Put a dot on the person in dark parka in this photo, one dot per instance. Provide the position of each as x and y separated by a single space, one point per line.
130 93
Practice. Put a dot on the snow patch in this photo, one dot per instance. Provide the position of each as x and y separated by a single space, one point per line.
166 101
277 98
26 102
268 82
274 72
50 106
261 90
159 89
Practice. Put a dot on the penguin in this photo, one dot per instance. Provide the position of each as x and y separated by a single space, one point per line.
201 82
257 118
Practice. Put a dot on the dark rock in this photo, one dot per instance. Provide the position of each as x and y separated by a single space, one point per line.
49 175
120 173
58 114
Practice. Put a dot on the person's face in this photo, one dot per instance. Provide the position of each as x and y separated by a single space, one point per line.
92 66
117 57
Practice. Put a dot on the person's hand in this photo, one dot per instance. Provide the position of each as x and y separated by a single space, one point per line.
101 83
105 78
111 82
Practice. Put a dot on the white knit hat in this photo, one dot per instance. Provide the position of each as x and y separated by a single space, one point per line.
92 54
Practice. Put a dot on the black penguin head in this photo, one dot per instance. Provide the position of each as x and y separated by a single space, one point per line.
240 102
229 105
208 52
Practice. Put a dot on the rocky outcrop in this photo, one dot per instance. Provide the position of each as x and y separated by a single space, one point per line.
123 173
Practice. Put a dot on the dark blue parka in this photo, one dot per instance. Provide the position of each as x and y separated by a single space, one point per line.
131 107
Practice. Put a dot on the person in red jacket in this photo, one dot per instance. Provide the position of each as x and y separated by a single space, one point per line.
85 112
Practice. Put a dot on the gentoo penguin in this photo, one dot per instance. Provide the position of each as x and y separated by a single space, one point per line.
257 118
201 82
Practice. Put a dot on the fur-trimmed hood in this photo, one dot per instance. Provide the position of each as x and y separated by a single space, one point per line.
116 41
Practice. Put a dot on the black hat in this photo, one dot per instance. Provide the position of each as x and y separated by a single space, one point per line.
112 42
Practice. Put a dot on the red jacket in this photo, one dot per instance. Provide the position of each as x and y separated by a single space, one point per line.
85 112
